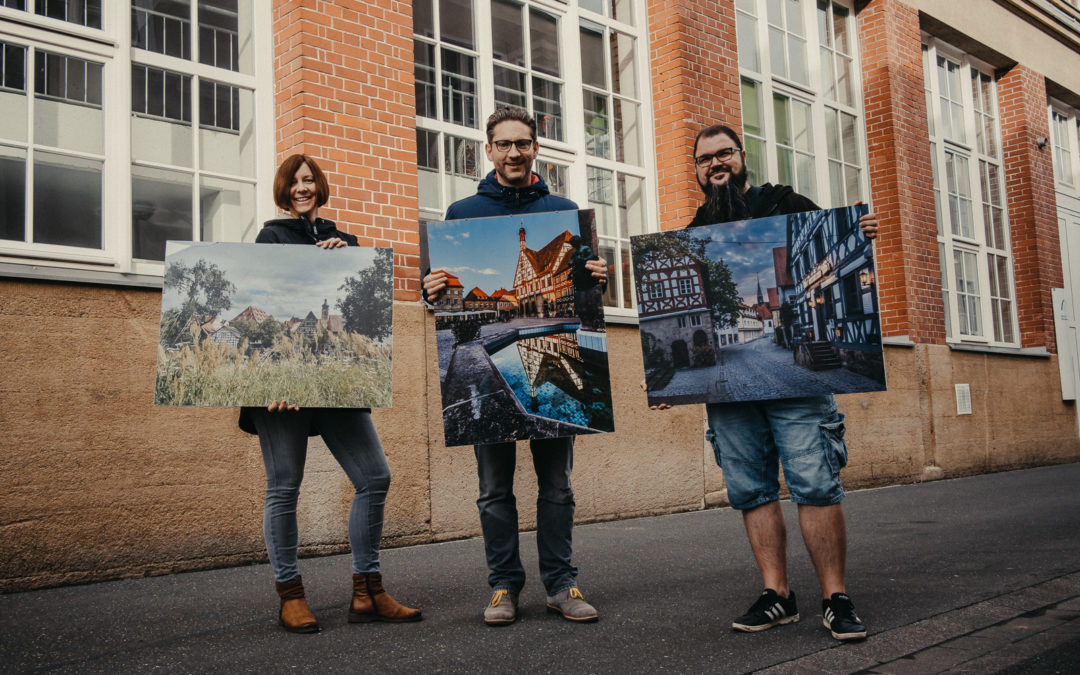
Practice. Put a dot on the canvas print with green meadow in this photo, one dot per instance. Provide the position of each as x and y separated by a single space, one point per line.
248 324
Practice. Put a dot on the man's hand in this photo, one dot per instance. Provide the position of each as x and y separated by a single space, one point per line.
659 406
283 405
598 268
868 224
332 242
434 283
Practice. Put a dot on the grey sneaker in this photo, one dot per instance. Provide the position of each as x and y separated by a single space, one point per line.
572 606
502 610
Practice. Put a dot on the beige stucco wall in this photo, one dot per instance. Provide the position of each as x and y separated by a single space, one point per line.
98 483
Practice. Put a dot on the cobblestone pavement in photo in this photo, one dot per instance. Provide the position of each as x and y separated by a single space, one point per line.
760 369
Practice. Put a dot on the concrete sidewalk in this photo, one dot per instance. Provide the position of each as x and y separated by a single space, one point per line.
978 574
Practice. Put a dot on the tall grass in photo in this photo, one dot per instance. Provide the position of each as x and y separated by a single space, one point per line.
349 371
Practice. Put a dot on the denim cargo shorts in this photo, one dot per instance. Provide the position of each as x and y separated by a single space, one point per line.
751 441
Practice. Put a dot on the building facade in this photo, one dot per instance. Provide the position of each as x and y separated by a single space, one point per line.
125 124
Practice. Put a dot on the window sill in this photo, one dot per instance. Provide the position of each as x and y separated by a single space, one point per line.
78 276
1035 352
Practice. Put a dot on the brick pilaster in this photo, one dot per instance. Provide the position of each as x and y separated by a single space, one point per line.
901 189
344 94
695 80
1029 194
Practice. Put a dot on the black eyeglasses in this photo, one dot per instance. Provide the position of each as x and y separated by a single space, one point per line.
722 155
522 144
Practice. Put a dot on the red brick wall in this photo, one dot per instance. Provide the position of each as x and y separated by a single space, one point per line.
1029 190
695 81
901 189
344 94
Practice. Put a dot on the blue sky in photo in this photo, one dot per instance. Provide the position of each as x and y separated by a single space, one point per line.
746 247
283 280
483 252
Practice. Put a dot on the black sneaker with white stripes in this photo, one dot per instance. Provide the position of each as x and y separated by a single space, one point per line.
769 610
838 615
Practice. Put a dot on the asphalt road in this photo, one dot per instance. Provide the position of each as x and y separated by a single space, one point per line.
987 564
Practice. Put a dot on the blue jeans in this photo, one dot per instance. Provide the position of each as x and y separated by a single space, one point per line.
351 438
806 435
553 459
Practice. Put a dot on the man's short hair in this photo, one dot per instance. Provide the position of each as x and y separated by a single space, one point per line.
716 130
283 180
510 113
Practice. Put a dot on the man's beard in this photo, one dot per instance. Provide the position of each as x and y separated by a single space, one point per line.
726 202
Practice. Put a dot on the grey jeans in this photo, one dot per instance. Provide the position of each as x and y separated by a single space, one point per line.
553 459
351 438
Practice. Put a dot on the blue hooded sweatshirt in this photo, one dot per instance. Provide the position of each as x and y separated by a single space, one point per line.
494 199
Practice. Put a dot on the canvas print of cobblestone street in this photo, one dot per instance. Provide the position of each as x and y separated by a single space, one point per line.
777 307
521 336
248 324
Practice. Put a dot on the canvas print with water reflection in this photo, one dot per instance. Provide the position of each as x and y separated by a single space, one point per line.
247 324
521 336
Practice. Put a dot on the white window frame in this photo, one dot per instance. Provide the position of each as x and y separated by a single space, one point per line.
111 46
812 94
1069 146
951 245
569 153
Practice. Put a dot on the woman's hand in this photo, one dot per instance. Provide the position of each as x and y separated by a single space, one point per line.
598 268
434 283
658 406
281 406
332 242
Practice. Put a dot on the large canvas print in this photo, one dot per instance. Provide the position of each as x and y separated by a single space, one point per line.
521 336
248 324
776 307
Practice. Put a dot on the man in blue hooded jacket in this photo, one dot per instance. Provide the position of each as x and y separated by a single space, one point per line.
512 189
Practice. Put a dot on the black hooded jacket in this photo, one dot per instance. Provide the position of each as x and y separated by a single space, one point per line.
767 200
294 231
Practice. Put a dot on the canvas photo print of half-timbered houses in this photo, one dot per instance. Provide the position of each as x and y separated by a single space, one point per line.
776 307
521 336
248 324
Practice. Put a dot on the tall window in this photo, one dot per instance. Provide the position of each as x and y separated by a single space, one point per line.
77 195
1066 143
972 226
581 71
802 123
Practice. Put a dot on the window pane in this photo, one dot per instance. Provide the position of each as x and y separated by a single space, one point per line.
220 33
622 10
226 210
544 36
64 122
67 200
424 77
13 103
632 204
510 88
554 175
227 142
427 160
600 200
627 132
597 125
162 26
456 22
423 18
547 108
459 88
751 107
746 32
160 210
12 193
507 33
624 65
593 69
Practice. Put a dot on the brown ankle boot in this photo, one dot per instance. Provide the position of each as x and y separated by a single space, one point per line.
371 603
295 616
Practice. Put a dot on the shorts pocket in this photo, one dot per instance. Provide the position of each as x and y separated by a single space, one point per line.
832 438
711 438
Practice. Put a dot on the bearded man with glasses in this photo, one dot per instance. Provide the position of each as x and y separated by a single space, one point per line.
511 189
751 439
